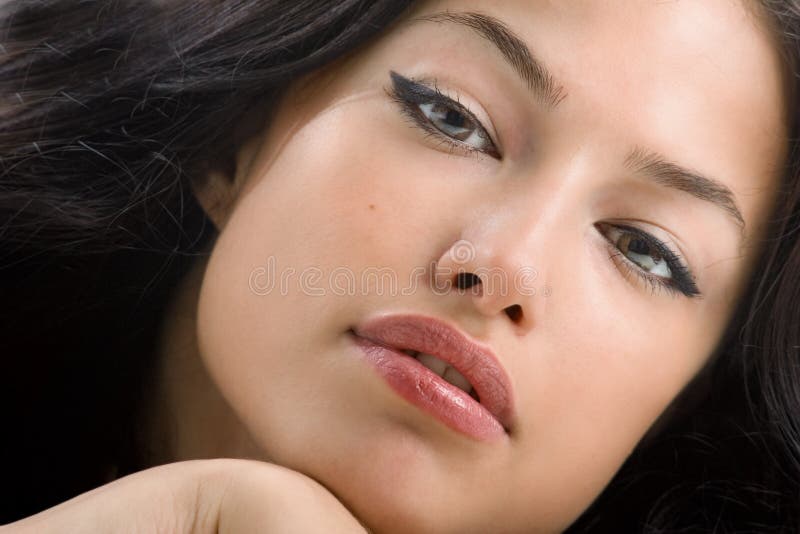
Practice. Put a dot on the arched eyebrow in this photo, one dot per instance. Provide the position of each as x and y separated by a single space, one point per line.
543 84
532 71
669 174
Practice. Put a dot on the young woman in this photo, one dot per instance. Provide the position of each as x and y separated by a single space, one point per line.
449 266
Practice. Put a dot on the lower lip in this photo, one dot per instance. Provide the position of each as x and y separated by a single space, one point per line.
432 394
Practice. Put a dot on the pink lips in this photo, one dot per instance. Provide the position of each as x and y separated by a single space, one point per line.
382 341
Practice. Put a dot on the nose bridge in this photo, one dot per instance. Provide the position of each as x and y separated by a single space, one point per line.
513 231
540 203
514 243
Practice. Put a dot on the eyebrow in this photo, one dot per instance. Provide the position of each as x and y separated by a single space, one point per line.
543 84
532 71
672 175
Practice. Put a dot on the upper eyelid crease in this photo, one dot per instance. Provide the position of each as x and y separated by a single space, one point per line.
544 85
671 175
420 88
420 92
409 91
662 248
532 71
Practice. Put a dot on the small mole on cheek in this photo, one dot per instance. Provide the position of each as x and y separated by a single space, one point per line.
372 206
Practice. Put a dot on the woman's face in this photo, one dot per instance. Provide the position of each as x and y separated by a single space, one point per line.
598 192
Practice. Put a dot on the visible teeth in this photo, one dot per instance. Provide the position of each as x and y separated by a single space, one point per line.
457 379
450 374
432 362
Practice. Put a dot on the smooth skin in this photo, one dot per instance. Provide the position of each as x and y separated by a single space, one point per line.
221 496
342 180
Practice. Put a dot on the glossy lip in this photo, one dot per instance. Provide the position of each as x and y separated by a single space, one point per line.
475 361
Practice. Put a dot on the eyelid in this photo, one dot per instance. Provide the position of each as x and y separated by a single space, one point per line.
672 243
428 88
683 282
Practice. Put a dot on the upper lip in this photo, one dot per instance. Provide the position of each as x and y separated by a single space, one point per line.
476 361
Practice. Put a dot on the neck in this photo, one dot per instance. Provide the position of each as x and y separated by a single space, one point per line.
187 417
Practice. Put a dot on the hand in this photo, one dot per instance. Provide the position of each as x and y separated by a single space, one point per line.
199 496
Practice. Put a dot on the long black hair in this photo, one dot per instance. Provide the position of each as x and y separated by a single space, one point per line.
109 109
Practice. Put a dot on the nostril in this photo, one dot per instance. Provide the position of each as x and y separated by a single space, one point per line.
467 280
514 312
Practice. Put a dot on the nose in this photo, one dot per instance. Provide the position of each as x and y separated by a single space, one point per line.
496 276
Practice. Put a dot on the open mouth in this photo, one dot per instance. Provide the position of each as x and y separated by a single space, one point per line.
444 370
441 370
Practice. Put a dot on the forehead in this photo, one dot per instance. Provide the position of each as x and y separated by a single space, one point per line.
699 81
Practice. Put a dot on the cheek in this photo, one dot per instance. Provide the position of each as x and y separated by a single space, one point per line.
372 195
606 369
608 364
267 310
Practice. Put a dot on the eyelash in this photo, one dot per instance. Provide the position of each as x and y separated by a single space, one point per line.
411 95
682 281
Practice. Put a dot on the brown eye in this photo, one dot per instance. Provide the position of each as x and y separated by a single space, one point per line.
648 257
641 252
